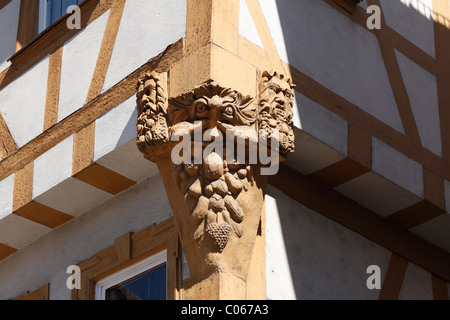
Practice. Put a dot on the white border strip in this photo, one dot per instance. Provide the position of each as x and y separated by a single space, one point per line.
42 15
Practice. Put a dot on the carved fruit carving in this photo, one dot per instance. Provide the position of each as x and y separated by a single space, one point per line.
214 187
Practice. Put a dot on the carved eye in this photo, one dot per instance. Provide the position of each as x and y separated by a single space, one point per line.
228 111
201 108
274 88
288 94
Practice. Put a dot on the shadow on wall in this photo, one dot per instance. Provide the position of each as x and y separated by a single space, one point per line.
314 258
322 262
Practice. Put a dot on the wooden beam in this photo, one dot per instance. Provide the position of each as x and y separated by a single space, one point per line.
104 179
28 22
393 280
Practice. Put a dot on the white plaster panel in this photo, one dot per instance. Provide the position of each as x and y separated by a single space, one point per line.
279 281
422 91
247 28
115 128
128 161
53 167
319 41
416 284
311 257
146 29
79 239
22 103
78 63
73 196
6 196
17 232
413 20
377 194
397 167
322 123
436 231
9 18
311 154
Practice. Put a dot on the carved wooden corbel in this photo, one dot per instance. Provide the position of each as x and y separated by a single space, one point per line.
214 185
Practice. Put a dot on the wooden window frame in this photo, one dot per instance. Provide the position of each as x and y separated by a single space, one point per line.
130 249
50 40
27 28
30 35
347 5
42 293
140 267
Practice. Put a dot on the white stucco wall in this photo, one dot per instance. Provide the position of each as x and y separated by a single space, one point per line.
416 284
6 199
9 18
422 91
413 20
22 103
319 41
79 58
47 259
146 29
397 167
310 257
53 167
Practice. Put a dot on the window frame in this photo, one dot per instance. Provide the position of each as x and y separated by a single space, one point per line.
130 272
130 249
42 20
36 45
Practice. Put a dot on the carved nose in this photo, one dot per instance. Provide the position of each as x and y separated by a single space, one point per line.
279 101
214 104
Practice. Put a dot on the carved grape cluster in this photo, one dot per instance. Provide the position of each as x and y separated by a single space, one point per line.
152 127
216 186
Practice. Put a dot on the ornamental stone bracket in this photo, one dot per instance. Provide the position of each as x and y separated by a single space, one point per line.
209 144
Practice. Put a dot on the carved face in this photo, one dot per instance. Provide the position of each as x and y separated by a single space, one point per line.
276 110
213 105
278 102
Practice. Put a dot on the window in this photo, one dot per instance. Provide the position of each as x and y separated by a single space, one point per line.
52 10
132 256
145 280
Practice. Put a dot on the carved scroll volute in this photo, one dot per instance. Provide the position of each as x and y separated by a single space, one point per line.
216 196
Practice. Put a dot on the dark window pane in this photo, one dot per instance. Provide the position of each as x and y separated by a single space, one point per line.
49 12
66 4
157 287
55 9
118 293
150 285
